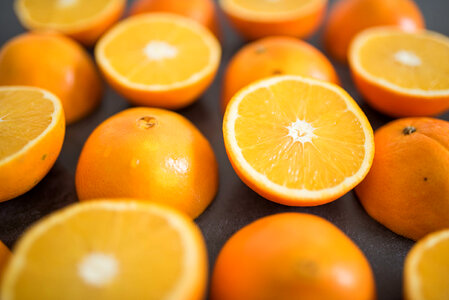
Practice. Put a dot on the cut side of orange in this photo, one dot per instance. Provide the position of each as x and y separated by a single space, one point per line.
159 59
109 250
297 141
260 18
426 269
32 131
402 73
84 20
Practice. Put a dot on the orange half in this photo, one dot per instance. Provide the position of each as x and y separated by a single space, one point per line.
298 141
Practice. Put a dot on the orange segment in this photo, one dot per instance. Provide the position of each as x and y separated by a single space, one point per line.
402 74
159 59
109 250
297 141
31 134
427 268
84 20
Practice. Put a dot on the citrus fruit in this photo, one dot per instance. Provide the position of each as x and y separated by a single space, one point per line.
274 56
150 154
291 256
159 59
31 134
109 250
402 74
83 20
297 141
256 19
407 188
202 11
4 257
426 269
57 64
349 17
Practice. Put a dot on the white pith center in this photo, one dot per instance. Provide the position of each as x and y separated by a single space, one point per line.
159 50
407 58
66 3
98 269
301 131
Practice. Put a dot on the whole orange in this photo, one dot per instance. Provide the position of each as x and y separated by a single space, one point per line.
349 17
274 56
202 11
55 63
150 154
291 256
407 188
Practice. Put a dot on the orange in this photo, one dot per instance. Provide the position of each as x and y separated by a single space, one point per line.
55 63
402 74
149 154
32 130
349 17
83 20
202 11
5 254
274 56
407 188
297 141
260 18
159 59
426 269
291 256
109 250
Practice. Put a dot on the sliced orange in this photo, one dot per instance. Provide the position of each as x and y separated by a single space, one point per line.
297 141
159 59
426 269
109 250
83 20
260 18
32 130
401 73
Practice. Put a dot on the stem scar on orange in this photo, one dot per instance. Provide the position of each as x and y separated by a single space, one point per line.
274 56
407 188
291 256
150 154
297 141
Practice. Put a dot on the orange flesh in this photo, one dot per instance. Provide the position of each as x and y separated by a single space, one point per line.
267 6
63 12
148 251
126 53
24 115
335 152
378 55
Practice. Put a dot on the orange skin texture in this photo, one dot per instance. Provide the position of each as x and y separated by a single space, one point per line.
5 254
57 64
170 163
291 256
174 98
274 56
349 17
397 104
23 172
300 26
202 11
407 188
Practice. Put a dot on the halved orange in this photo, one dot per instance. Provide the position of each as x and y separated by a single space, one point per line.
159 59
109 250
426 269
260 18
401 73
298 141
32 131
83 20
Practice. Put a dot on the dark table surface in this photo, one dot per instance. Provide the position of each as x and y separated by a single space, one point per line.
235 204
